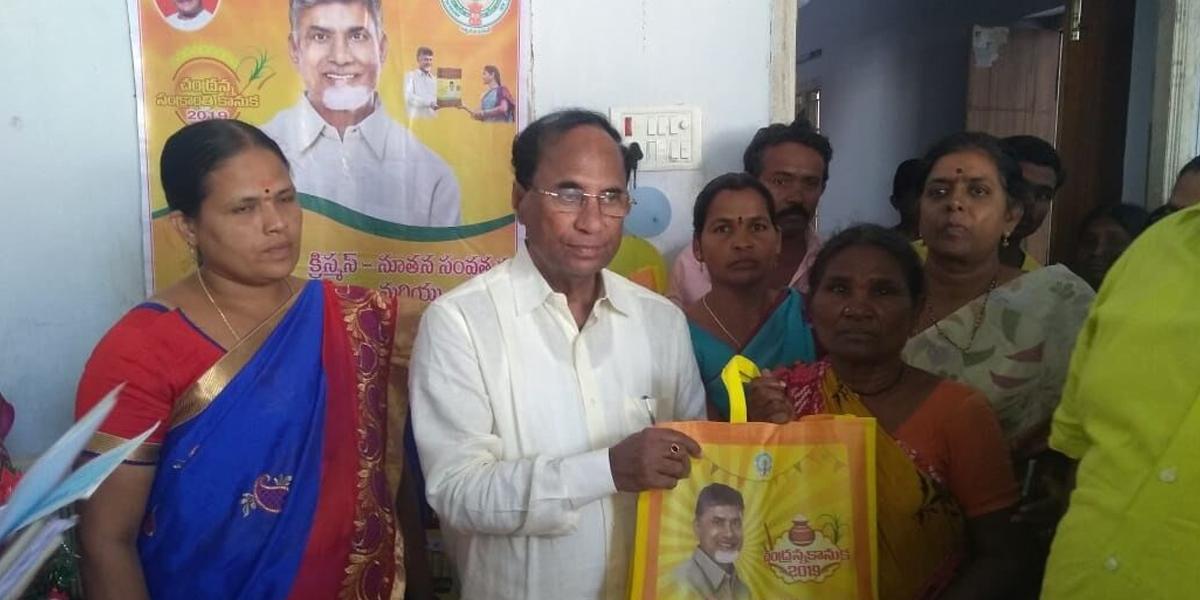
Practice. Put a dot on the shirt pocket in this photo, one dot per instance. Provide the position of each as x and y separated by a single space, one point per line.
638 413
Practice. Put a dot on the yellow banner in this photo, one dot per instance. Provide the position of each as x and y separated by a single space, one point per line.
770 511
397 119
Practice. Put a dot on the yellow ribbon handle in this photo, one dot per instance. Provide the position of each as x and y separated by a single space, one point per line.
736 374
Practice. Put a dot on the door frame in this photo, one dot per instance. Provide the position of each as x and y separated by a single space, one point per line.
1093 111
782 62
1175 128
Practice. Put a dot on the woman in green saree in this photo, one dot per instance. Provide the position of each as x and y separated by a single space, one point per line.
737 240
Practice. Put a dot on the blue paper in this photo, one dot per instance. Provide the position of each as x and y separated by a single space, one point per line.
46 486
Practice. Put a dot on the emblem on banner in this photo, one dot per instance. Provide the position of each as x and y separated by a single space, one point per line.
476 16
763 464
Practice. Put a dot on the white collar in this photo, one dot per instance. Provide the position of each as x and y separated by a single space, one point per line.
312 126
531 289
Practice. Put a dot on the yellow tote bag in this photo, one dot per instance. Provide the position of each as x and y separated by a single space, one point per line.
769 511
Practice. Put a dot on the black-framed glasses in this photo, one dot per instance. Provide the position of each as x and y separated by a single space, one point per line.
612 203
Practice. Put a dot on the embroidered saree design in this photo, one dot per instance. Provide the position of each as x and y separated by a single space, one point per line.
271 480
370 339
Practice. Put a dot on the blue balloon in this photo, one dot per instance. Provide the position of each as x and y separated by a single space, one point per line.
651 212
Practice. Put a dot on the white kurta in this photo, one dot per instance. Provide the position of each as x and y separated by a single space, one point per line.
514 409
420 94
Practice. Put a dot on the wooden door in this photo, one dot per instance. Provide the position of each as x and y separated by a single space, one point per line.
1094 101
1012 89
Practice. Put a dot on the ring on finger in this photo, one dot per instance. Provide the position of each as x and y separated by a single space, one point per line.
674 448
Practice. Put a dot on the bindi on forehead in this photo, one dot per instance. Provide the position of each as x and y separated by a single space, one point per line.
961 173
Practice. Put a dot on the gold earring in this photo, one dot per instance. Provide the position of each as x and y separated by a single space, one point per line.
1004 241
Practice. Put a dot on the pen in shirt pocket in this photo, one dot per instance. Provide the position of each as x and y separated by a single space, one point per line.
648 404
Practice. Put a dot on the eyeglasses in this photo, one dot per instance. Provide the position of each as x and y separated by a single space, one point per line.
612 203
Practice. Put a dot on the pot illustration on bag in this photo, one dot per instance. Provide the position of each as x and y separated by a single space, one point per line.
804 554
801 534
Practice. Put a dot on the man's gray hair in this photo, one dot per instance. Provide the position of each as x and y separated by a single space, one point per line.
295 7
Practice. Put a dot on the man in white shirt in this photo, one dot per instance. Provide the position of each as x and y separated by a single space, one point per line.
535 387
190 15
341 144
420 86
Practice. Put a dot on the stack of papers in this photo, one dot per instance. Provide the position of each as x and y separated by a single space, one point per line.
28 533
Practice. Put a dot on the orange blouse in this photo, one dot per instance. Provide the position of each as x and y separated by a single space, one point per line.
958 440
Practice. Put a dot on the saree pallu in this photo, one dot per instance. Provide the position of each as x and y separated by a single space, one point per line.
922 539
1019 356
271 482
782 340
491 100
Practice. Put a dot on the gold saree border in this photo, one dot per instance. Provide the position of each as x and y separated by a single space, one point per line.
103 442
204 390
368 552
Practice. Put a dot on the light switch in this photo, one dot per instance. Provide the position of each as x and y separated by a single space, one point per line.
670 136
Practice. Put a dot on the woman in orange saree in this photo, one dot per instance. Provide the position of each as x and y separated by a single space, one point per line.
945 485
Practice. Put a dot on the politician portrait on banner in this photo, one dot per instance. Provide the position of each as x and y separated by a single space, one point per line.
187 15
404 185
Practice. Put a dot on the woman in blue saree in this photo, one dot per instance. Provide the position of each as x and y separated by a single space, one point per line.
736 238
264 477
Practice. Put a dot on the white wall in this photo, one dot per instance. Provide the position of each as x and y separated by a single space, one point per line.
71 225
709 53
70 230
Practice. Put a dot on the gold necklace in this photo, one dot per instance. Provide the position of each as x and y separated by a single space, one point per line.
236 337
704 301
974 329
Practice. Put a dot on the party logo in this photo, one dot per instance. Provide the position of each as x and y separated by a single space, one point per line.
212 83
